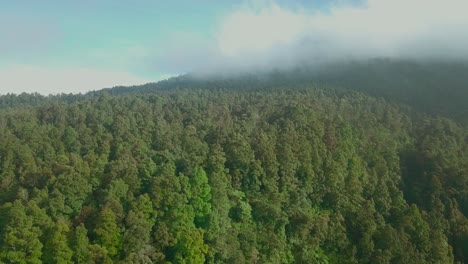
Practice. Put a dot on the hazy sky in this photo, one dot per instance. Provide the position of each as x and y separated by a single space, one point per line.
55 46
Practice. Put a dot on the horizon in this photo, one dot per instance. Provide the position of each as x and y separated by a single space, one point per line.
56 47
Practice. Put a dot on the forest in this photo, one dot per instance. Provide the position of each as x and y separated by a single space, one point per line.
273 168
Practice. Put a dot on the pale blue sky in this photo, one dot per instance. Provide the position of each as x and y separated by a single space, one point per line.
76 46
111 35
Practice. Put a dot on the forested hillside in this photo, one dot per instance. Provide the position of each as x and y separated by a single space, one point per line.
232 171
436 88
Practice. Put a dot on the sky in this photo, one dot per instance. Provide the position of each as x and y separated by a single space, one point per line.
56 46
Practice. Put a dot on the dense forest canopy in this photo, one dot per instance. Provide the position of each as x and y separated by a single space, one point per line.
330 166
436 88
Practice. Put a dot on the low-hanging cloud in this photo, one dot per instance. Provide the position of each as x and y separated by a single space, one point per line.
273 36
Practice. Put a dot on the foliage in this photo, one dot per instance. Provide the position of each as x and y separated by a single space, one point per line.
230 171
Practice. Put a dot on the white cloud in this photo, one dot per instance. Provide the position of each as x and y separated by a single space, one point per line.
21 78
271 35
249 31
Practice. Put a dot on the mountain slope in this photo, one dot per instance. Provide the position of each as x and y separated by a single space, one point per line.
436 88
264 169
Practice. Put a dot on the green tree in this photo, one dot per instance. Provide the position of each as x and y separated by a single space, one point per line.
139 223
56 249
200 197
20 242
80 245
108 232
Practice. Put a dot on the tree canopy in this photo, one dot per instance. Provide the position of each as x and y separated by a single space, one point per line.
233 171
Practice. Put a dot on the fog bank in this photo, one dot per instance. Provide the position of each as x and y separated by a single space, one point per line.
269 36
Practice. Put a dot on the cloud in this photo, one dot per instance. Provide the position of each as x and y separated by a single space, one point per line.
182 52
21 78
271 35
25 37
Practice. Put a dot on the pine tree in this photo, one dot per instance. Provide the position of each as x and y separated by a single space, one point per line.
200 197
108 232
80 245
20 243
56 249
